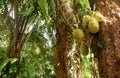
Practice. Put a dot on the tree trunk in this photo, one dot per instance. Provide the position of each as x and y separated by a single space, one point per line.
109 56
64 40
61 48
17 40
60 53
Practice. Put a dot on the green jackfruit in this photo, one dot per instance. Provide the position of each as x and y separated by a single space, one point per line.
98 16
78 34
83 49
93 25
85 21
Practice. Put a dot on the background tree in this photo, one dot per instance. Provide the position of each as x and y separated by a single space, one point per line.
24 23
108 57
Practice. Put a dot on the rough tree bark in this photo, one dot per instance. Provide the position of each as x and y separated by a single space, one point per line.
61 48
63 38
61 52
109 56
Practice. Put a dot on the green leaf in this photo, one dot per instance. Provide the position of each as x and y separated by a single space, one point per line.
13 68
100 44
3 64
44 7
29 11
83 4
12 60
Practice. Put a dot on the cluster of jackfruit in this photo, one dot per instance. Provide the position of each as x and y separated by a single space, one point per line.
79 35
90 22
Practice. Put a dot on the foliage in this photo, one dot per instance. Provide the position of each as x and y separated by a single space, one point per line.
36 59
36 55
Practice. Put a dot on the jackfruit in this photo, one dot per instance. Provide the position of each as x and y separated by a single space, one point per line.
83 49
78 34
98 16
93 25
85 21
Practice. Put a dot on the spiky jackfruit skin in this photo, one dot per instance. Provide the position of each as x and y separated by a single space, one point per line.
78 34
83 49
98 16
93 25
85 21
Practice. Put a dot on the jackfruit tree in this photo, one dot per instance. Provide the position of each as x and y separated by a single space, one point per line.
109 55
59 38
100 24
